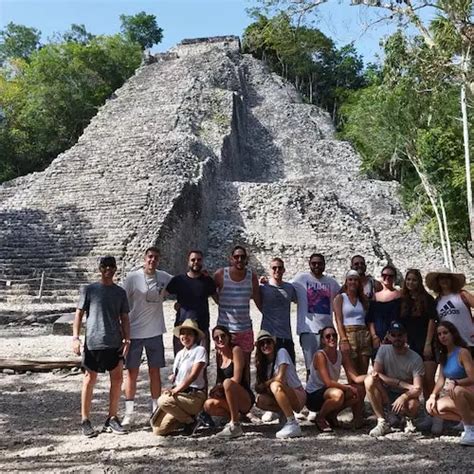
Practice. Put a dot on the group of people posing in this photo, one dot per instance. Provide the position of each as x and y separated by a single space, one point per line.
406 333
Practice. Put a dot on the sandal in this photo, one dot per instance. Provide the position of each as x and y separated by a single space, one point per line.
323 425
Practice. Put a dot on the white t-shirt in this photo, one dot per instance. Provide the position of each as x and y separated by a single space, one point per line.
315 297
145 298
283 357
183 364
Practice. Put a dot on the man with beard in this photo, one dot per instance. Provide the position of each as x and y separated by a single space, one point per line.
236 286
192 290
315 293
396 382
145 290
370 284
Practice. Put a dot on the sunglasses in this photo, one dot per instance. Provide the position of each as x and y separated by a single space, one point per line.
333 335
277 267
239 257
266 342
219 337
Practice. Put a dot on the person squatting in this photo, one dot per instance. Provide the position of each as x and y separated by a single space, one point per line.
406 335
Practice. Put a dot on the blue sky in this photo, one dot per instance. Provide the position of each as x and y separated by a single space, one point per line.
184 19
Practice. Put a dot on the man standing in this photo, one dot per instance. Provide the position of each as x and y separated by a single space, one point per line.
396 380
236 285
192 290
145 290
106 343
370 284
276 296
315 293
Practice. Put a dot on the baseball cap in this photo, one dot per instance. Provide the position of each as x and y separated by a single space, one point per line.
395 326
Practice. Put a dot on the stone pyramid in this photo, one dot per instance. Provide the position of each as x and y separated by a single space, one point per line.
202 148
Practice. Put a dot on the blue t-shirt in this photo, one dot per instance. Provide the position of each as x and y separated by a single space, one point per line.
276 308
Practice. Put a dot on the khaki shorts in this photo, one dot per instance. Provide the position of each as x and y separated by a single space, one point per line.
360 341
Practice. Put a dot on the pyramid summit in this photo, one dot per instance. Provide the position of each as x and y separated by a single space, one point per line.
204 147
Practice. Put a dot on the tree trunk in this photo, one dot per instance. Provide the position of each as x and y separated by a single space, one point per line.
446 233
431 193
465 128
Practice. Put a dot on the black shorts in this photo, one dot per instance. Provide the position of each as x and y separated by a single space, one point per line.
100 360
315 400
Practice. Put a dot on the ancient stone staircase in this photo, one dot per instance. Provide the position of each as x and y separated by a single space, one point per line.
204 148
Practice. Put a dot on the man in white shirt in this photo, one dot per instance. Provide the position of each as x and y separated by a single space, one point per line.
145 291
315 293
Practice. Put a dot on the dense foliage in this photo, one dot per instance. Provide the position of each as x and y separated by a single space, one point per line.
50 92
307 58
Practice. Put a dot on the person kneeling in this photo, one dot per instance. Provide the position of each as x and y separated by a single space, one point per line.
231 394
457 378
324 393
179 405
397 379
278 386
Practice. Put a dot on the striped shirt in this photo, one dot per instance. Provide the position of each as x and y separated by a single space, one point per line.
234 303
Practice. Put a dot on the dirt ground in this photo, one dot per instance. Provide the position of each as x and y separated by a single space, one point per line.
40 416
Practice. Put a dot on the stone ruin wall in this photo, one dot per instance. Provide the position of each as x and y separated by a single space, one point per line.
202 148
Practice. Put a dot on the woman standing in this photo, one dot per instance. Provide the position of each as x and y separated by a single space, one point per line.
278 386
179 405
457 378
231 395
418 316
453 304
324 393
350 307
385 308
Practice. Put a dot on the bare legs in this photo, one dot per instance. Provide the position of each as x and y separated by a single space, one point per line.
90 379
283 399
237 400
460 407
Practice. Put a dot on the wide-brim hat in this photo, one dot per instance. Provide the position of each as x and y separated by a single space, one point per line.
431 279
262 335
189 324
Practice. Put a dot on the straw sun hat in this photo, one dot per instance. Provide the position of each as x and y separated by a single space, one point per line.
459 279
188 324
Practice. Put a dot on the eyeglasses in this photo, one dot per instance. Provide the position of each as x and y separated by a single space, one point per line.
330 336
388 275
239 257
278 268
219 337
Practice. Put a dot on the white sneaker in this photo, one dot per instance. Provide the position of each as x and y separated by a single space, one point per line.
127 420
269 416
409 426
291 429
437 426
381 429
312 416
468 438
231 431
